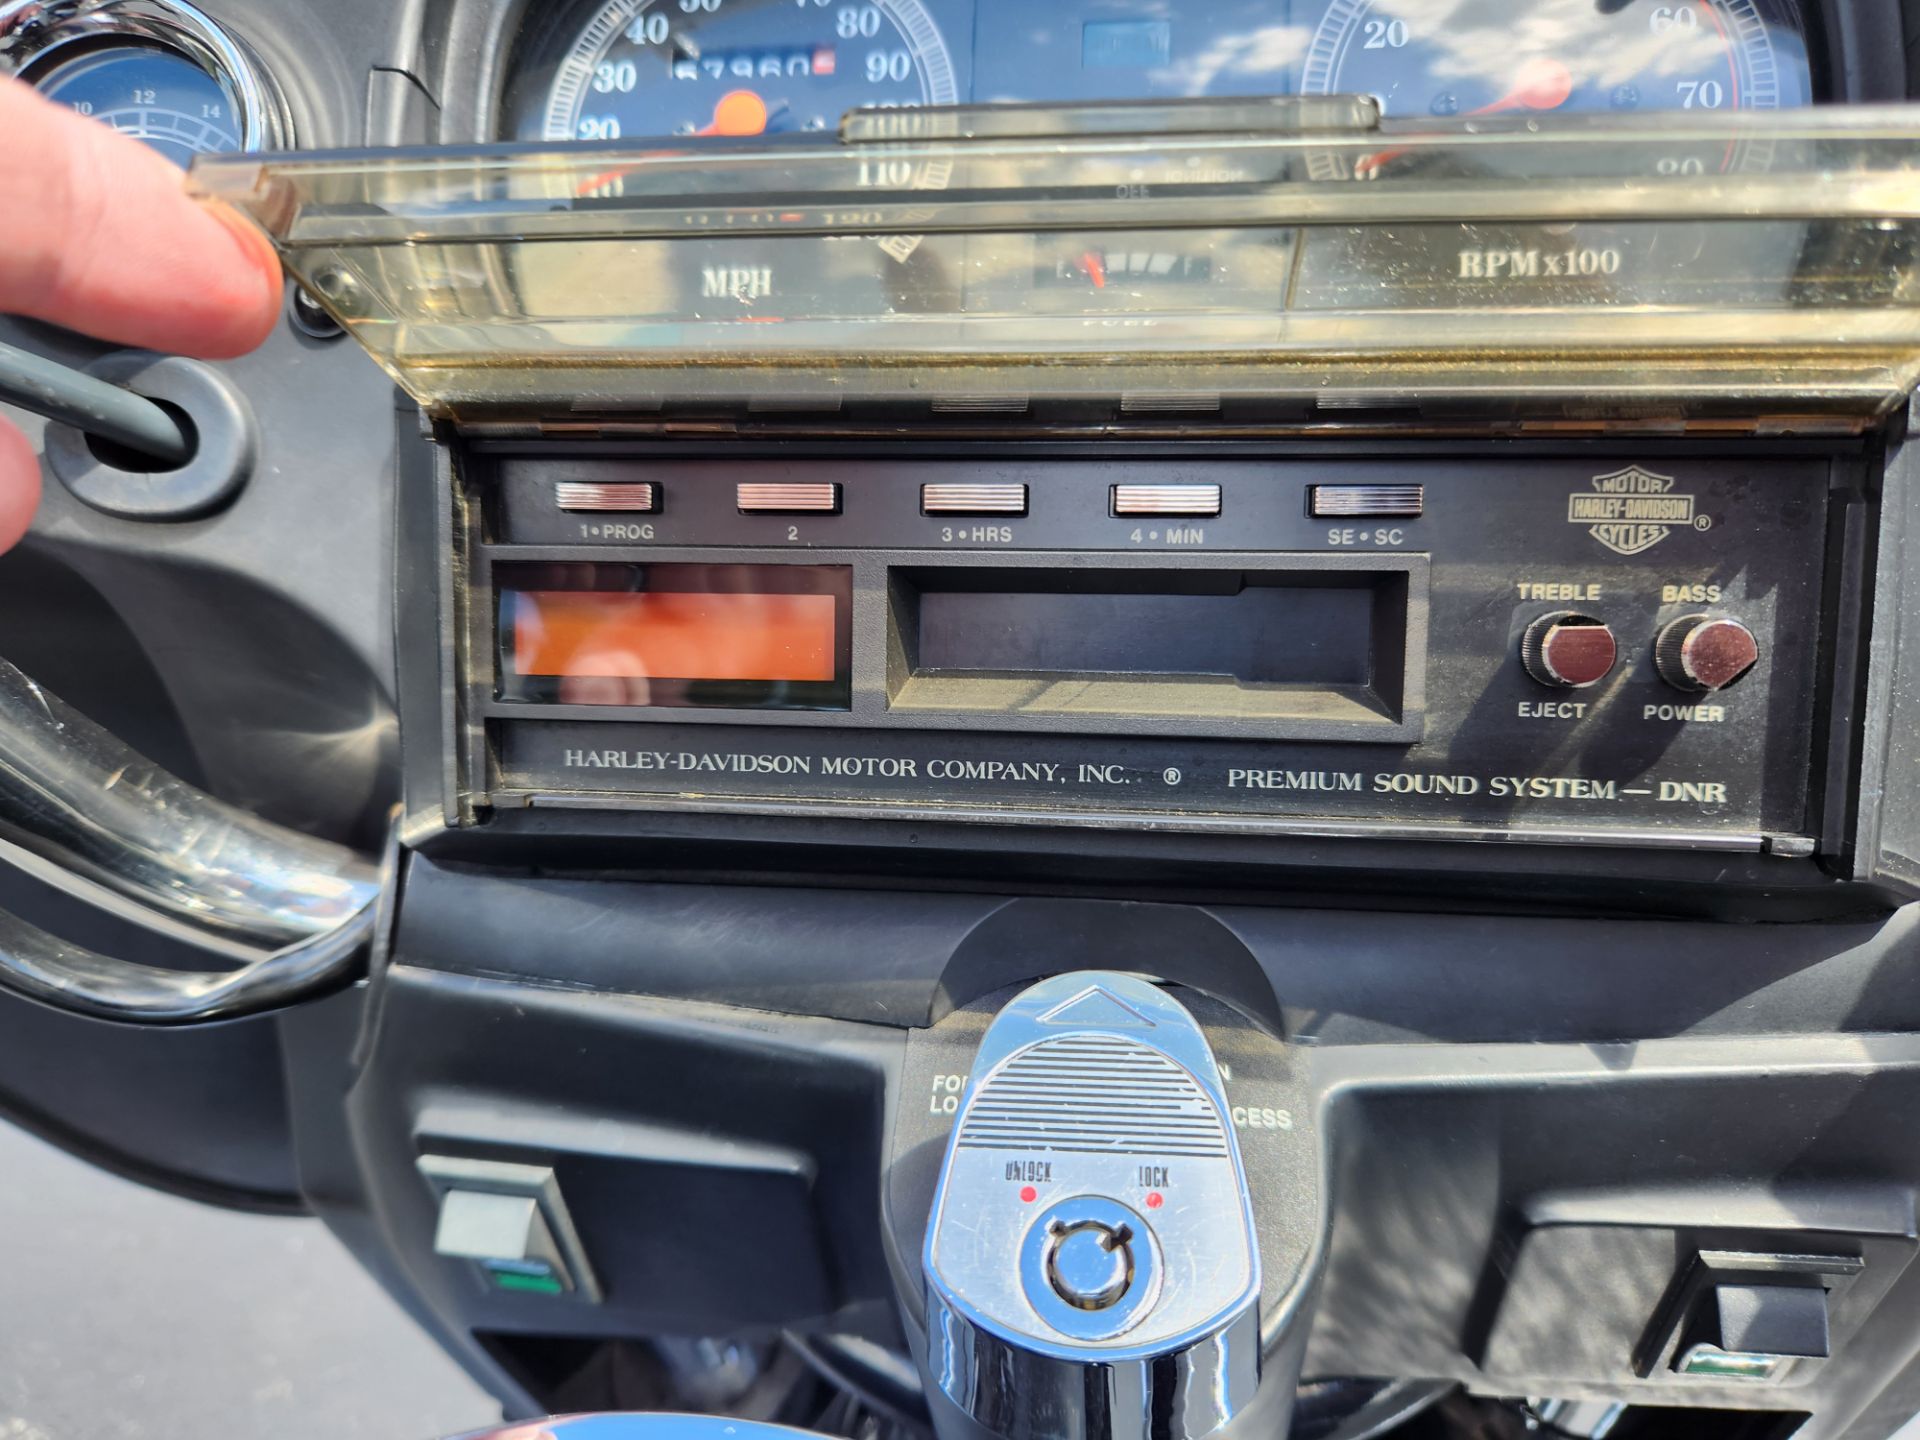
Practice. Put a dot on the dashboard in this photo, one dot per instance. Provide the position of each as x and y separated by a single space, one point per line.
603 70
733 67
830 572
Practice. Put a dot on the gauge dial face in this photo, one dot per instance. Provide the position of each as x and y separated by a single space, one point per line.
154 95
1498 57
742 67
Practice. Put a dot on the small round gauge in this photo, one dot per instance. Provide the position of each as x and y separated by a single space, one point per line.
1490 57
157 70
152 95
737 67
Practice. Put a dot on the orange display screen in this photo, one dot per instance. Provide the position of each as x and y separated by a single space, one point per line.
668 634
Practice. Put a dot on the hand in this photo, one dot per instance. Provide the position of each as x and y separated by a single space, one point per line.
97 234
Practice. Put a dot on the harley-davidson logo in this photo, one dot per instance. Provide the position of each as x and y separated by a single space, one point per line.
1630 510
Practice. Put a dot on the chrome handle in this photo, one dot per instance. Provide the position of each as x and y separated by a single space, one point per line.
83 812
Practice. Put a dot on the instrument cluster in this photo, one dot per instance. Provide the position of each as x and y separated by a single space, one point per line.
606 69
599 70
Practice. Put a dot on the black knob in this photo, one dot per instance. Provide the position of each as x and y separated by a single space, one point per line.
1704 652
1568 651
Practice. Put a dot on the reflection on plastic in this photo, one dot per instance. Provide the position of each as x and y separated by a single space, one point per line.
675 634
586 638
1532 259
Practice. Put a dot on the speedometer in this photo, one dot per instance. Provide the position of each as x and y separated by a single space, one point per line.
1489 57
741 67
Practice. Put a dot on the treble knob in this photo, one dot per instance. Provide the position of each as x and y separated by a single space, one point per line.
1568 651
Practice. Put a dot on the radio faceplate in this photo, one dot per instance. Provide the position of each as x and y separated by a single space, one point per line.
1233 660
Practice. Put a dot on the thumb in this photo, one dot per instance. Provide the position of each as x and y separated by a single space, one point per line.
19 485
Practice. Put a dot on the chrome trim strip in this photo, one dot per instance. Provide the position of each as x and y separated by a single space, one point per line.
1729 842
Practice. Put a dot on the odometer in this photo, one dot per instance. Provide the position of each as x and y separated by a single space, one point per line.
646 68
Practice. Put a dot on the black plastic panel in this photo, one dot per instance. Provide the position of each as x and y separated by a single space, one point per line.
1466 740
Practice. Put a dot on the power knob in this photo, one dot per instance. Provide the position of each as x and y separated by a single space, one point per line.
1568 651
1704 652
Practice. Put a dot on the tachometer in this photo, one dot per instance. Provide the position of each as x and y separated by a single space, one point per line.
1487 57
741 67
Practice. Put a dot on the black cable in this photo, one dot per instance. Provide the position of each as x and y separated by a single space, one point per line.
106 411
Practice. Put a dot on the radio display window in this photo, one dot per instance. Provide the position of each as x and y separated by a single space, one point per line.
758 637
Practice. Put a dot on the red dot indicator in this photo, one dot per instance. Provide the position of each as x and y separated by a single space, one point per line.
1155 1200
1029 1194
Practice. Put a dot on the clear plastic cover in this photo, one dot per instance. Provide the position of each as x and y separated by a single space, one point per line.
1290 249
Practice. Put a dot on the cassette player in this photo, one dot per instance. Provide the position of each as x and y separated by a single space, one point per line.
1622 650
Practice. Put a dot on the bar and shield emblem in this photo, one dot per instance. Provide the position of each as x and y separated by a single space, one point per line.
1630 510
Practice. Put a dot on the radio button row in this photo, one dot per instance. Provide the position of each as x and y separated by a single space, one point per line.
625 497
965 499
1166 500
1568 651
802 498
1366 501
1699 653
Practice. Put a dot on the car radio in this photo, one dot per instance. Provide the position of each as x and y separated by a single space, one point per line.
1619 648
1261 469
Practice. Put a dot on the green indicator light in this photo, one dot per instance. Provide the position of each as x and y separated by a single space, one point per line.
527 1284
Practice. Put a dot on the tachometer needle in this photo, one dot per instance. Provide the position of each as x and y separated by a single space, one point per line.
1542 84
738 112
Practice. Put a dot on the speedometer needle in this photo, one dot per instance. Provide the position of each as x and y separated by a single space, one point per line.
1542 84
738 112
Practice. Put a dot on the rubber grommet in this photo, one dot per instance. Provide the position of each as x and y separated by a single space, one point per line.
223 457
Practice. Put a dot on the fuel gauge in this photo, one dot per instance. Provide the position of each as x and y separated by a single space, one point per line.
1103 265
1160 271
